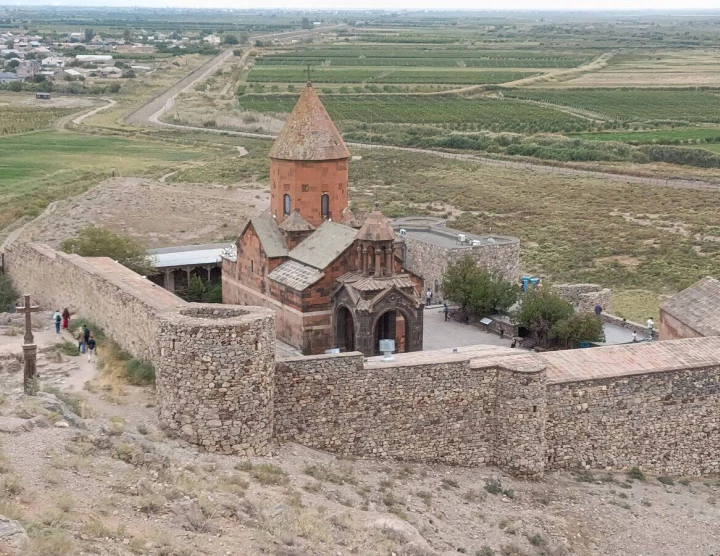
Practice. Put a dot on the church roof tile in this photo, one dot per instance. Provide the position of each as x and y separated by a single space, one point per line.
309 133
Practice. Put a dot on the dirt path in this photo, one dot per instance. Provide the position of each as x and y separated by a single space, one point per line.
81 118
16 233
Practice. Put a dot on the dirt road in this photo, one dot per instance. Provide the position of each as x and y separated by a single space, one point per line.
150 113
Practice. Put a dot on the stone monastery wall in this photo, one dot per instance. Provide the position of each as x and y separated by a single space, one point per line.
667 422
655 405
437 412
123 303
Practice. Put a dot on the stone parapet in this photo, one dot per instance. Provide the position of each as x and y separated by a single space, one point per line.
215 376
584 297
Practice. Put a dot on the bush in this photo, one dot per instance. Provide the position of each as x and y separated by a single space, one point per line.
92 241
477 289
636 473
139 373
69 348
553 322
8 295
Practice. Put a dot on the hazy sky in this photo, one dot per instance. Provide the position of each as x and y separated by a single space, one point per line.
573 5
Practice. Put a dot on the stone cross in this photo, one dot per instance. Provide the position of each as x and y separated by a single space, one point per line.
29 348
28 309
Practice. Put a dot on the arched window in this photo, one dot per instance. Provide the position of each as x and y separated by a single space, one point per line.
286 204
325 205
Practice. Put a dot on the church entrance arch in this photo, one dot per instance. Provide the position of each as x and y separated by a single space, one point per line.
345 329
393 324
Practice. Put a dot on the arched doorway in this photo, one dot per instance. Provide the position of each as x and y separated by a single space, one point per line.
345 330
392 325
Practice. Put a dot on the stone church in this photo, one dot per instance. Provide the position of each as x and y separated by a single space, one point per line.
334 280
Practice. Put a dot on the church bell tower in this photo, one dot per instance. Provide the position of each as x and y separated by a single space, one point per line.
309 165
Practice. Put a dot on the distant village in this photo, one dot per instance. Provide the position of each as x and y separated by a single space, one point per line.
80 56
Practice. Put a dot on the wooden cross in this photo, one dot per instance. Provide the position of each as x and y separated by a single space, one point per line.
309 69
28 309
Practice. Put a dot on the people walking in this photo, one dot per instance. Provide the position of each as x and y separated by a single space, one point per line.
634 337
66 319
446 310
91 347
598 309
80 337
428 297
57 319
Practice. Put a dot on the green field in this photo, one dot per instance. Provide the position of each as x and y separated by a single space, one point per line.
20 119
352 55
38 168
634 105
295 74
422 109
665 136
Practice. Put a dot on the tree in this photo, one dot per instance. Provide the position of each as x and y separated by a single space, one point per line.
15 86
477 289
196 288
89 34
306 23
127 35
92 241
8 295
580 327
553 321
13 64
230 39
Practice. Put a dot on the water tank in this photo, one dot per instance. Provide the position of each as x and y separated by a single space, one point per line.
403 232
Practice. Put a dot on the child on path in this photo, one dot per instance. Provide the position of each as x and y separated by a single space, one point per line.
57 318
91 345
66 319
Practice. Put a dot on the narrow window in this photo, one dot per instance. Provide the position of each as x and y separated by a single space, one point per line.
252 266
286 204
325 205
305 188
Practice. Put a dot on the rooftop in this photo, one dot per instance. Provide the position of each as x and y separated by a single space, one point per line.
295 275
209 253
270 236
697 306
450 239
309 133
615 361
324 245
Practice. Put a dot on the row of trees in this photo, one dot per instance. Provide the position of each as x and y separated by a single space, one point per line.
551 320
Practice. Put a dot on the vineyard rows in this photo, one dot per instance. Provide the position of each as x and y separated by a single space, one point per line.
436 110
400 52
382 75
555 63
14 119
637 104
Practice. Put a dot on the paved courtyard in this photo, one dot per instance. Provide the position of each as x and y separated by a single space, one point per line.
439 334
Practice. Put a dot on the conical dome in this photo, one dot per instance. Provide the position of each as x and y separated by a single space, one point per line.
309 133
376 228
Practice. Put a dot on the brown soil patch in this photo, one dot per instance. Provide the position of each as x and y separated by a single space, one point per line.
158 213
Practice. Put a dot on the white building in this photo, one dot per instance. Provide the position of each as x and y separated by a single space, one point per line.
212 39
53 62
93 57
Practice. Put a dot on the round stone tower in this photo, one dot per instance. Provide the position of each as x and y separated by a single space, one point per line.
309 165
215 376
